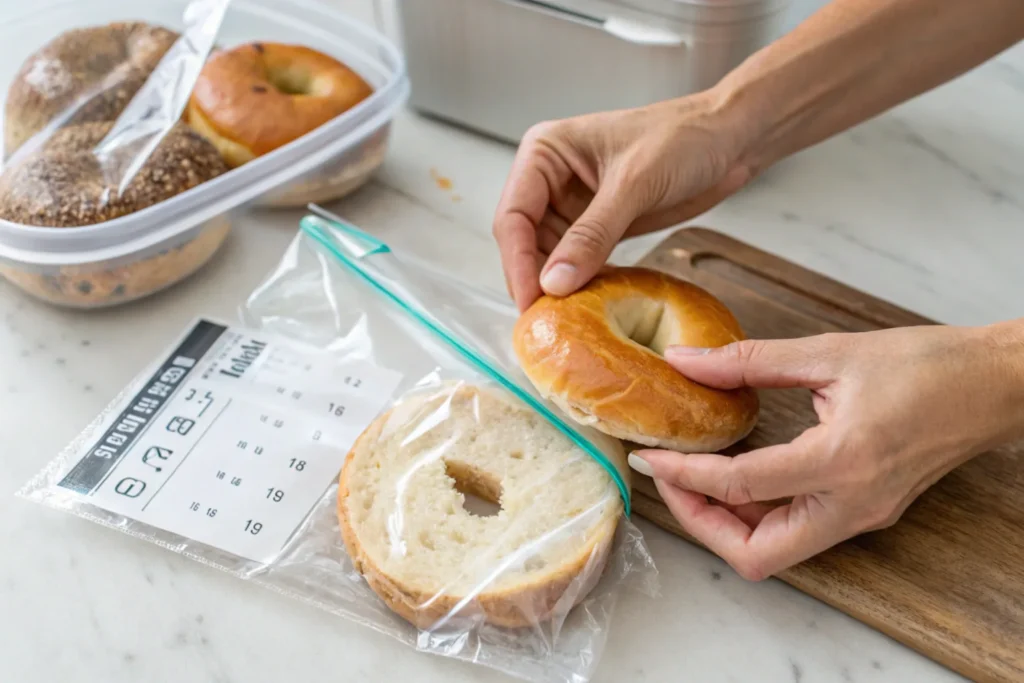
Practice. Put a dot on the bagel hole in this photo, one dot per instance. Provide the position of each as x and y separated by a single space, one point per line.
643 322
481 492
291 81
479 507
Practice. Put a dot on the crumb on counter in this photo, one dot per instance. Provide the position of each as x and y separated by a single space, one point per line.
441 181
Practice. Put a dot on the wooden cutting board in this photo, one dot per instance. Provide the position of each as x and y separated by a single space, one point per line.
948 579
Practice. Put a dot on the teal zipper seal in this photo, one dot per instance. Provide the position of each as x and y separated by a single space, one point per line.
362 244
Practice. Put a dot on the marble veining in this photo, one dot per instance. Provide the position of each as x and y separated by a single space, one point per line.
1009 75
917 140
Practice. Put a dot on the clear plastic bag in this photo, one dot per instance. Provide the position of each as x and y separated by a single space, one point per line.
470 518
93 126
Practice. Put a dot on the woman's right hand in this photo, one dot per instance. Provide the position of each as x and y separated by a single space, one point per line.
580 185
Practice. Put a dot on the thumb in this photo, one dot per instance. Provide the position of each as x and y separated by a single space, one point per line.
808 362
586 246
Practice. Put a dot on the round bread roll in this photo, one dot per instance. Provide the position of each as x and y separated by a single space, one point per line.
400 505
110 63
254 98
597 354
62 184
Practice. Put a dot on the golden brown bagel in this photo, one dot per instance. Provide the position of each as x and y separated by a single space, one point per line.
252 99
597 355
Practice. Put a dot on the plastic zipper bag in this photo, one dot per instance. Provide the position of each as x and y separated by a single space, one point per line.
469 519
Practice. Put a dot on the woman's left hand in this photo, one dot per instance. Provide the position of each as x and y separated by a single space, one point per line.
897 410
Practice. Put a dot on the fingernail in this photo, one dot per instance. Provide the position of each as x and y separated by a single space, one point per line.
640 465
560 279
686 351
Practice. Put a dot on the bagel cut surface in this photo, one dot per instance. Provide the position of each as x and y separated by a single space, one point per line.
401 510
597 354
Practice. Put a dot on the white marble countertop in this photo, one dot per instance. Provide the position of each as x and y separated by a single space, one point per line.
923 206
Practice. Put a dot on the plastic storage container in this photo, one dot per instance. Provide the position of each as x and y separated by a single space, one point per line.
138 254
500 66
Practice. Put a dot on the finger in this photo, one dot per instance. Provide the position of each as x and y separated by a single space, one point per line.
517 244
711 525
787 535
750 514
573 200
550 232
758 476
540 258
589 241
571 204
808 362
523 203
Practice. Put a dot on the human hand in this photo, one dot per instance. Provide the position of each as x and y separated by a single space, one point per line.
579 185
897 410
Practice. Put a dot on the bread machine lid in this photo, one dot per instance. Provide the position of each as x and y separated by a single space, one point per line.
708 11
651 21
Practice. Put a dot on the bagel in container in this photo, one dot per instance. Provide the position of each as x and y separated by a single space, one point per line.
598 355
256 97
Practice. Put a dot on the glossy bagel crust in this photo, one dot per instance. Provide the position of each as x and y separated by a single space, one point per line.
256 97
580 355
